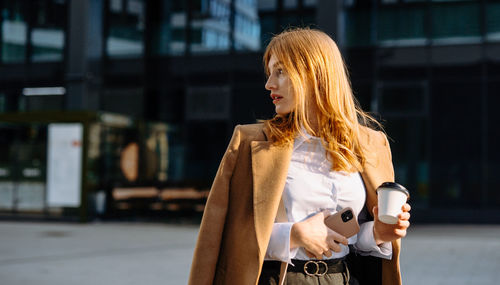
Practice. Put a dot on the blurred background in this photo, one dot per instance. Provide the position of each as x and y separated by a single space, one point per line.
125 107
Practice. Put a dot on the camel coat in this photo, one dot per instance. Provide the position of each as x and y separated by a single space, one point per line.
244 199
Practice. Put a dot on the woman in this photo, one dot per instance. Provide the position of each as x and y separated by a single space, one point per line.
279 179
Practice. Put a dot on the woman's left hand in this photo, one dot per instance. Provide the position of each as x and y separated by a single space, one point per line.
383 232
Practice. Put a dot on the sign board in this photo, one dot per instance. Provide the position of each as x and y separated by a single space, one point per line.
64 164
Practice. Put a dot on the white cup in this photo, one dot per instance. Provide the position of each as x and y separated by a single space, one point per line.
391 198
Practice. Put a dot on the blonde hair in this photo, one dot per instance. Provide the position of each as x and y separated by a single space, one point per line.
318 76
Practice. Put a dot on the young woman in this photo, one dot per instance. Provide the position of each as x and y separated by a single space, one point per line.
279 179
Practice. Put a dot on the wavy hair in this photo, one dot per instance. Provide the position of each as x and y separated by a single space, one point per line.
320 80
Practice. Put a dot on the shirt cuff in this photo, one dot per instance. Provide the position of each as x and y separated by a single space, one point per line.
279 244
366 245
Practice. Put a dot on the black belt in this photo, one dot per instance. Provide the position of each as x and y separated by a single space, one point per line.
310 267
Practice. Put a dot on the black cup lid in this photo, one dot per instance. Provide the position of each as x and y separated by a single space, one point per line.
395 186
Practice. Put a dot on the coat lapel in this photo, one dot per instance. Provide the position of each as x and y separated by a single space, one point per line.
269 170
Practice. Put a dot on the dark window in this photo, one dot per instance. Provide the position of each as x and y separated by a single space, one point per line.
358 27
401 23
403 107
14 31
48 31
493 21
456 144
210 28
455 19
401 99
268 28
126 28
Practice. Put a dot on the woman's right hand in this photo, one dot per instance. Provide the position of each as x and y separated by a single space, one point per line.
315 237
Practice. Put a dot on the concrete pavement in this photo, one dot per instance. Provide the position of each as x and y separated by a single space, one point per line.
154 253
451 254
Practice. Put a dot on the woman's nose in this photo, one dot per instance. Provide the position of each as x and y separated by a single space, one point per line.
270 85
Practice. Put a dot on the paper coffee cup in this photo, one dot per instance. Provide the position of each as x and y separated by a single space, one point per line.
391 198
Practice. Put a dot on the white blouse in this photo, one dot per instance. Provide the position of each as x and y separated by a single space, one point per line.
312 187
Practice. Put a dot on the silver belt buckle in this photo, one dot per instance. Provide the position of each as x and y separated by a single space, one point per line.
317 264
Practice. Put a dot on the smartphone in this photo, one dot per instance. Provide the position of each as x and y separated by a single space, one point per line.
344 222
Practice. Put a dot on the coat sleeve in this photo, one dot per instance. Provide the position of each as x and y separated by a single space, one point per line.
391 271
207 248
388 160
377 169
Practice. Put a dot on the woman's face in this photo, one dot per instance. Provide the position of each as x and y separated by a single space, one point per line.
281 87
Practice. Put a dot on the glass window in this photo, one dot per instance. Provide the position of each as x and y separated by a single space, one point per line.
210 27
41 103
8 101
358 22
47 34
349 3
168 27
455 21
23 166
310 3
493 21
455 153
290 4
267 5
401 23
14 31
403 105
246 26
410 155
126 28
403 99
268 28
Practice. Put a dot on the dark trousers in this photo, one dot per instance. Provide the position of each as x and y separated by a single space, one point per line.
366 269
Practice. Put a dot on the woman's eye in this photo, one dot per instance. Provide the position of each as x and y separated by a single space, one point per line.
280 71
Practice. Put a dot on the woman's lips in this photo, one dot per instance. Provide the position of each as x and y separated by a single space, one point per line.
276 98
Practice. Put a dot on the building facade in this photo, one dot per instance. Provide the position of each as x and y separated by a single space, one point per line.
430 70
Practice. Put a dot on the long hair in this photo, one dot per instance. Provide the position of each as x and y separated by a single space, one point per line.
320 82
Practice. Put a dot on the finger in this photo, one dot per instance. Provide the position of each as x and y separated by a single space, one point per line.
404 216
309 254
319 256
325 213
337 237
328 253
335 246
375 212
400 233
403 224
318 252
315 253
406 207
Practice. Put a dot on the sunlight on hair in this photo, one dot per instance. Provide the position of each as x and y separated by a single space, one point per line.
323 96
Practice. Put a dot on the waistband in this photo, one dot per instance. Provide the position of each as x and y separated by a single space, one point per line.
309 267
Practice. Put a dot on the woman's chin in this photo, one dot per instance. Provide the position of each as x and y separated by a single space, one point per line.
282 111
